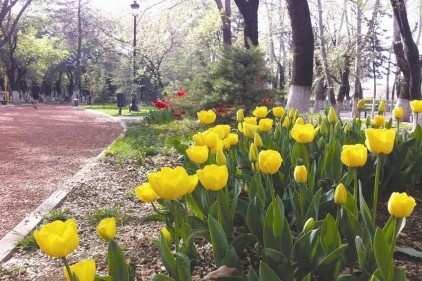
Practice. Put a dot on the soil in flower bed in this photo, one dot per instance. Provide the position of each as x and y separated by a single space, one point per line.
109 184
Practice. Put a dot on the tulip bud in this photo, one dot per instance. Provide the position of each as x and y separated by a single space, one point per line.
361 104
300 174
326 110
296 114
340 194
309 225
398 112
166 234
381 107
291 113
332 115
347 129
324 129
300 121
257 140
379 120
368 121
240 116
106 229
220 158
253 153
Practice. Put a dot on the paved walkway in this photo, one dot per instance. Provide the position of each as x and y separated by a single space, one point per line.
39 150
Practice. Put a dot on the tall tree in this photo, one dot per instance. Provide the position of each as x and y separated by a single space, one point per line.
303 55
411 52
249 11
9 21
225 14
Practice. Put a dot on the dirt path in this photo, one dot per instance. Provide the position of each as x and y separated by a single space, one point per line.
40 149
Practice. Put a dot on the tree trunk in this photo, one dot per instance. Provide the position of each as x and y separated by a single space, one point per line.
225 14
411 52
327 72
8 24
249 11
344 90
303 55
77 85
358 60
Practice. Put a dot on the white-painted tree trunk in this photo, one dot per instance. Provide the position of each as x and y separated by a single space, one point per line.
339 107
355 111
417 120
299 98
16 97
407 110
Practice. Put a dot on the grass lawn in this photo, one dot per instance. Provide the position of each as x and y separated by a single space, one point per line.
113 110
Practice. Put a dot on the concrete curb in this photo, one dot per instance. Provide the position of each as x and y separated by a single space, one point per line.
8 242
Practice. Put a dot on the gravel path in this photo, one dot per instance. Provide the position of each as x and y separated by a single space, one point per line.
40 149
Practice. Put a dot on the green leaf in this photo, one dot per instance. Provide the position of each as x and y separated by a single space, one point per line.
193 204
167 257
160 277
255 218
329 267
383 254
252 276
409 251
366 214
183 267
266 273
399 274
279 263
330 237
153 217
117 266
218 241
242 242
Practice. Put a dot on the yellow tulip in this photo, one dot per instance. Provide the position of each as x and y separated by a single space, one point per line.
340 194
249 130
278 111
220 145
172 183
381 107
400 205
240 115
58 239
286 123
354 155
300 121
253 152
398 112
213 177
197 139
206 117
347 128
379 120
257 140
269 161
380 141
166 234
209 138
332 115
309 225
300 174
227 143
234 138
251 120
221 130
303 133
265 124
145 193
220 157
85 270
416 106
361 104
198 154
106 229
240 127
260 112
291 113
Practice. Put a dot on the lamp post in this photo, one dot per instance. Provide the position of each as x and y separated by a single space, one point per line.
135 7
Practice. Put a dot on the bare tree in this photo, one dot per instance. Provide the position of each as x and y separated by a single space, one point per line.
303 55
225 14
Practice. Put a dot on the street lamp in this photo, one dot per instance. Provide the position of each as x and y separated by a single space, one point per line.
135 7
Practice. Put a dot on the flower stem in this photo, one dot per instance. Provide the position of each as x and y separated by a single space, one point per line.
176 225
355 188
69 272
376 187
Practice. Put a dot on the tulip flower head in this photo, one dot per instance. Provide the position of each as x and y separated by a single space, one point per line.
269 161
106 229
381 107
278 111
84 270
416 106
145 193
379 120
58 239
265 124
332 115
206 117
400 205
309 225
260 112
166 234
240 115
300 121
253 152
398 112
380 141
361 105
172 183
300 174
354 156
303 133
257 140
198 154
251 120
220 157
340 194
213 177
